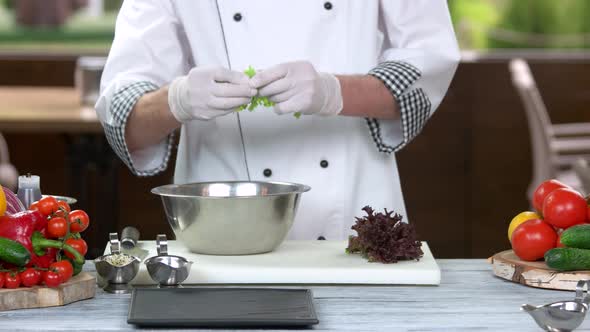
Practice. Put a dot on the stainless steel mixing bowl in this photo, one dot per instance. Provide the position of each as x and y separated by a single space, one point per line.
231 218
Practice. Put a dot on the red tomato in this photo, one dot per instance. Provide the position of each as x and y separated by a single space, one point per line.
34 206
532 239
57 227
63 206
64 269
51 279
588 216
12 280
2 277
62 209
59 213
543 190
78 244
30 277
78 221
47 205
565 208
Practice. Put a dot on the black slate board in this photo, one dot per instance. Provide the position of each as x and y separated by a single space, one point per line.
222 307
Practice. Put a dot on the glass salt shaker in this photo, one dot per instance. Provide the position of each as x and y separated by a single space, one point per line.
29 189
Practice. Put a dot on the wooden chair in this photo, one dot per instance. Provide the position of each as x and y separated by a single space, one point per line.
555 147
582 169
8 173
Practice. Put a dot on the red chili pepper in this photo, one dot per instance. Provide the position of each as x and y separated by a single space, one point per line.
26 228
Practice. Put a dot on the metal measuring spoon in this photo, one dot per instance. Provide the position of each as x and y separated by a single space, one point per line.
562 316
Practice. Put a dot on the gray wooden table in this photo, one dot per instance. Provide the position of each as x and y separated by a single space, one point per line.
469 298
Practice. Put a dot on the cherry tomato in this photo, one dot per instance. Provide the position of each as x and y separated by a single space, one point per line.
565 208
79 245
34 206
543 190
2 277
64 269
78 221
62 209
47 205
57 227
12 280
532 239
30 277
51 279
63 206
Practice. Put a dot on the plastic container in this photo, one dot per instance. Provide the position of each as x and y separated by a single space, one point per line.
29 189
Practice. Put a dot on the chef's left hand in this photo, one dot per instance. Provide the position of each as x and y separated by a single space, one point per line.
298 87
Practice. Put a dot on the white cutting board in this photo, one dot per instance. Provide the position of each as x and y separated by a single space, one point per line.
299 262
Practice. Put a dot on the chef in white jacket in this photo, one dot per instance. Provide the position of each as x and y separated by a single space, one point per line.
366 75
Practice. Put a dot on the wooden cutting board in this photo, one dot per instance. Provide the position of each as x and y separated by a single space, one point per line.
80 287
508 266
299 262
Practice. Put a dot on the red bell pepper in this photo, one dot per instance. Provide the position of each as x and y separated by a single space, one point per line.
46 260
26 228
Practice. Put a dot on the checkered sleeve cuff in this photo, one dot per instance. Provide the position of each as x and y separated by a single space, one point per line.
122 104
414 105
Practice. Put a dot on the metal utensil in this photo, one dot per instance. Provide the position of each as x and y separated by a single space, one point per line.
129 239
167 270
117 277
562 316
231 218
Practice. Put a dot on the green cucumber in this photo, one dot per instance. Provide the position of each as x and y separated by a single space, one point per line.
568 259
577 237
13 252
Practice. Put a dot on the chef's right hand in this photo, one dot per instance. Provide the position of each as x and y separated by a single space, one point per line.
208 92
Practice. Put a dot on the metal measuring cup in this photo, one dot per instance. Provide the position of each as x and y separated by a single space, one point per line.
562 316
167 270
116 276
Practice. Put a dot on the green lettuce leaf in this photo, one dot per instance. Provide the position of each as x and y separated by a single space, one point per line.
258 100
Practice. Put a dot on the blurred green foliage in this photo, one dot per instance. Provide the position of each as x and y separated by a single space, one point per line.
553 24
80 32
7 3
472 19
109 5
112 5
482 24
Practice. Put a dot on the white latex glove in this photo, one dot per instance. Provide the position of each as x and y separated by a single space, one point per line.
208 92
298 87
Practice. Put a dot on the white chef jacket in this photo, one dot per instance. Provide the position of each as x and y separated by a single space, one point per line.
348 161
